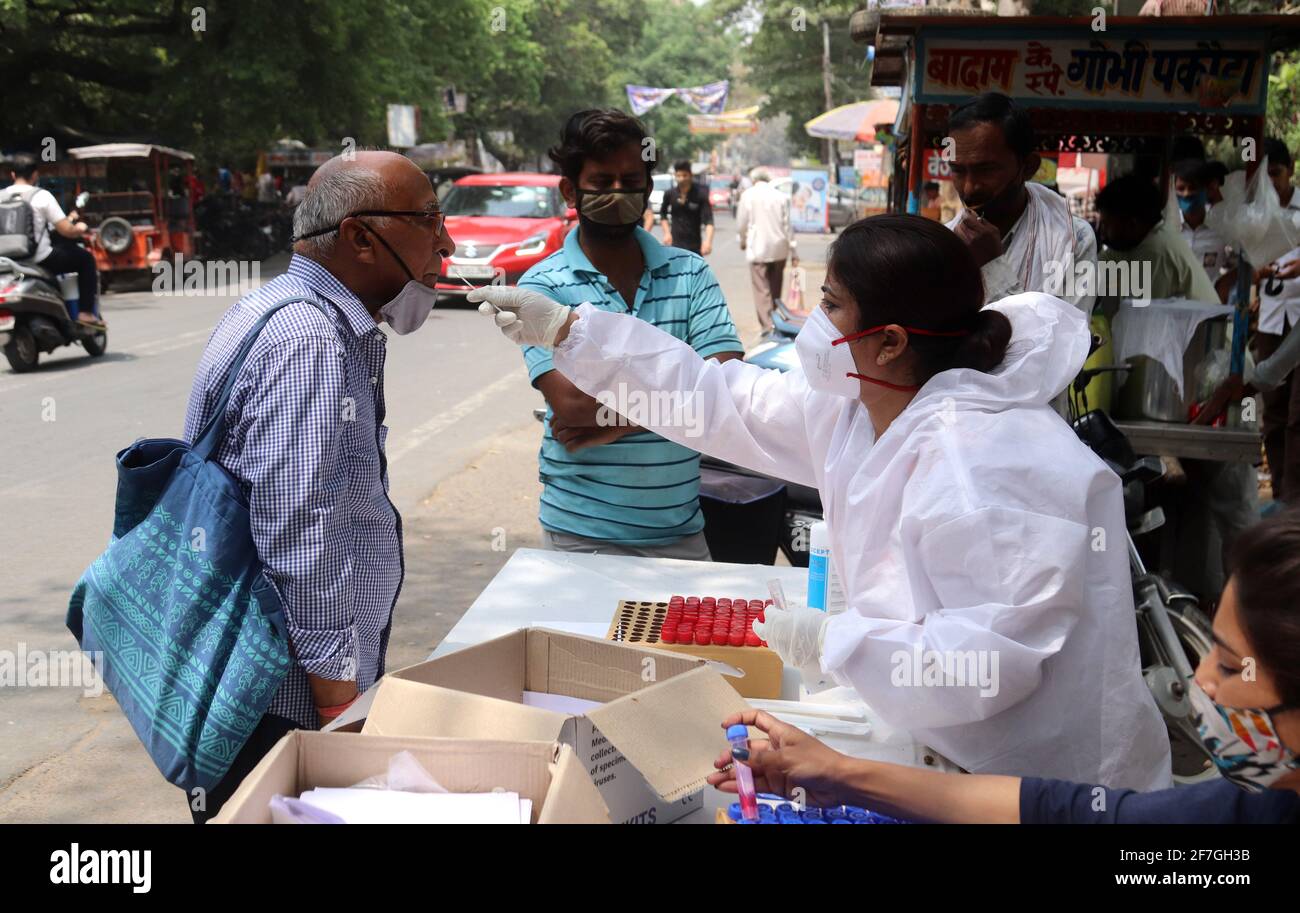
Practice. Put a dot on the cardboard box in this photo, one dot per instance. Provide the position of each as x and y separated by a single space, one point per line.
546 772
648 748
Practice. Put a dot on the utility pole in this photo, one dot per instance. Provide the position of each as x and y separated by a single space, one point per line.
826 87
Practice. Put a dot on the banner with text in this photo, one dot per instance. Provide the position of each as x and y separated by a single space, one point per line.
1108 69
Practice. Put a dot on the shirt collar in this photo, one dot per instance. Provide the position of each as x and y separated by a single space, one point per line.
320 280
654 253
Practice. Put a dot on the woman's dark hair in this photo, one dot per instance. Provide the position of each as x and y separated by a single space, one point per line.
1265 565
996 108
595 133
914 272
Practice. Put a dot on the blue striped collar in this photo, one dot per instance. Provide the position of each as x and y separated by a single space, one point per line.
320 280
656 256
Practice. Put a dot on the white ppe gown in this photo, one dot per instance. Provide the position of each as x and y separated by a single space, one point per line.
978 522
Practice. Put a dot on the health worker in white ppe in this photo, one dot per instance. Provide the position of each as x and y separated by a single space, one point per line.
966 519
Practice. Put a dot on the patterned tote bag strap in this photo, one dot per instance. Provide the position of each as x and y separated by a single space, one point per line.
213 432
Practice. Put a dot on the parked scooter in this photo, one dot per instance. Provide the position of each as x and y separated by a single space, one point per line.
34 314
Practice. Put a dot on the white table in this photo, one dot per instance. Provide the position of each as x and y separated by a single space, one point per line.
569 591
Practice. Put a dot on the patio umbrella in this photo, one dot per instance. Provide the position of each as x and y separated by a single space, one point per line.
853 122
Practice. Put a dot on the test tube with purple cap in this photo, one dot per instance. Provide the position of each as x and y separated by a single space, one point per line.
738 736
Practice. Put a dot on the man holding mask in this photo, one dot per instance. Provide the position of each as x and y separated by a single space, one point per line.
610 487
306 428
1021 233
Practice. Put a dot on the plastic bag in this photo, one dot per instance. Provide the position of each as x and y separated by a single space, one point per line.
794 300
1251 215
405 774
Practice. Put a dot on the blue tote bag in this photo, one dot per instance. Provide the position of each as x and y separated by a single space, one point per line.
191 630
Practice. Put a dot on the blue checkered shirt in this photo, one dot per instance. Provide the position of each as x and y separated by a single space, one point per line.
305 438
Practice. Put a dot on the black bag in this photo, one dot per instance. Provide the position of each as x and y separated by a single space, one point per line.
17 223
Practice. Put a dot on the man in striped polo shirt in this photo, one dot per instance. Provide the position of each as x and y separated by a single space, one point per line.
608 486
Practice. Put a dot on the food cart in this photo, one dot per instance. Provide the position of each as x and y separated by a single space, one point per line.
1130 87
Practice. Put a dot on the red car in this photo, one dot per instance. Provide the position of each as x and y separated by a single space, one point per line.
503 222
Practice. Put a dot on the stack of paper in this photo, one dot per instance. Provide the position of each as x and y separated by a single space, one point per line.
381 806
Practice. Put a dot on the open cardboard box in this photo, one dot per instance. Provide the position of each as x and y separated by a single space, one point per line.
546 772
648 748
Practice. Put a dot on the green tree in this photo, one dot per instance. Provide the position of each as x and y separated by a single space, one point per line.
784 58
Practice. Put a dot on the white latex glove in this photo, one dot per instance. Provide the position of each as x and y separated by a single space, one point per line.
795 634
526 317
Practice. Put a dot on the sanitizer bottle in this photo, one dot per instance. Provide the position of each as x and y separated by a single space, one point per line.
824 589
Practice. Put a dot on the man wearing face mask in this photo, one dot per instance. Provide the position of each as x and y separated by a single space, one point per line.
609 486
1021 233
306 428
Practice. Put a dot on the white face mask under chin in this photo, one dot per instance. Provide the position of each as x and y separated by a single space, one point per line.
407 312
826 366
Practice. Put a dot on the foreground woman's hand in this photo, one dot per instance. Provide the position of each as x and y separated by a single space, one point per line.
788 759
524 316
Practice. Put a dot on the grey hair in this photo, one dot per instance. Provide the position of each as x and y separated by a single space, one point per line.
338 194
761 175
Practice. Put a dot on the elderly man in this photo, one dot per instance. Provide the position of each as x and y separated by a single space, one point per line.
306 428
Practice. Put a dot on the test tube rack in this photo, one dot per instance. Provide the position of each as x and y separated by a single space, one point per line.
641 622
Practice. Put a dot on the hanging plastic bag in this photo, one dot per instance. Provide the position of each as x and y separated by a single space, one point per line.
1252 215
794 299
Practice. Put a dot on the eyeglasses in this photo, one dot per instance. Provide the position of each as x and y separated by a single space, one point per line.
432 216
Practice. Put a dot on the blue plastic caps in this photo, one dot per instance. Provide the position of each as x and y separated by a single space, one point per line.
739 731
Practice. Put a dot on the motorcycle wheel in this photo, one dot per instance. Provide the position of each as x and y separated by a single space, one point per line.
21 350
1190 762
95 345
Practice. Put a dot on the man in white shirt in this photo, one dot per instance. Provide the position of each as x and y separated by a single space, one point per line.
47 216
1208 246
767 238
1279 313
1022 234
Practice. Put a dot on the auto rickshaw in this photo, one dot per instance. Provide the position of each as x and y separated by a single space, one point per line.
139 208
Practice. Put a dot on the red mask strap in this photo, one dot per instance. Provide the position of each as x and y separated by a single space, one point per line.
902 388
917 330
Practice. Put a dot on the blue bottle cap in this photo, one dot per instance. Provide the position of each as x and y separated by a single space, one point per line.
860 817
850 809
813 816
835 813
747 821
739 731
733 811
789 819
840 821
785 807
814 821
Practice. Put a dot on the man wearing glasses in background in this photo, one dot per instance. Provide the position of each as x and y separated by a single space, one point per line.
305 429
